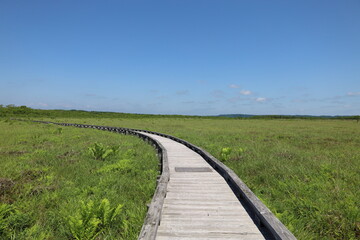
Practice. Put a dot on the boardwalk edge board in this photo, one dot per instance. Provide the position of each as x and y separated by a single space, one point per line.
264 218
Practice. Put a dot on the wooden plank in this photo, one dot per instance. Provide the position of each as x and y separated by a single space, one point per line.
206 235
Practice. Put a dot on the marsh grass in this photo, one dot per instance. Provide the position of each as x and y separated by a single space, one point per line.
306 171
47 174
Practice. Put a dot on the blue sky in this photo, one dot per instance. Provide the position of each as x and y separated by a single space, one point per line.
182 57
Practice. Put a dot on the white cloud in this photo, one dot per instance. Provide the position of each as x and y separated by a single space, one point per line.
234 86
245 92
260 99
353 94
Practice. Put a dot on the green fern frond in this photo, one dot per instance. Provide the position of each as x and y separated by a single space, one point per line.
92 219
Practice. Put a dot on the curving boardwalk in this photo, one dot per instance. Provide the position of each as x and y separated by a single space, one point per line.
197 196
199 204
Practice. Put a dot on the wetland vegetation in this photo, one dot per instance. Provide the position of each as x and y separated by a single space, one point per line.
306 171
53 187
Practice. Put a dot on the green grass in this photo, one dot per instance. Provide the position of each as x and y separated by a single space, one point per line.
48 174
307 172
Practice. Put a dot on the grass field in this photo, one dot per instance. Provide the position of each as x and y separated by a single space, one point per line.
306 171
52 187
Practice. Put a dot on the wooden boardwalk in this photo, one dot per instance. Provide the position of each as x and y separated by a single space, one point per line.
199 204
193 201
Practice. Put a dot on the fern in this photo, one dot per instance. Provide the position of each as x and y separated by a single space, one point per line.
100 152
84 230
115 149
84 225
106 214
106 153
12 221
123 165
93 219
225 153
36 232
6 211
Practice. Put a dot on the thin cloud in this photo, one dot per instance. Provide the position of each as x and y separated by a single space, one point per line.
162 97
208 102
154 105
65 106
202 82
39 104
217 94
43 104
353 93
334 99
93 95
260 99
188 102
234 86
245 92
182 92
